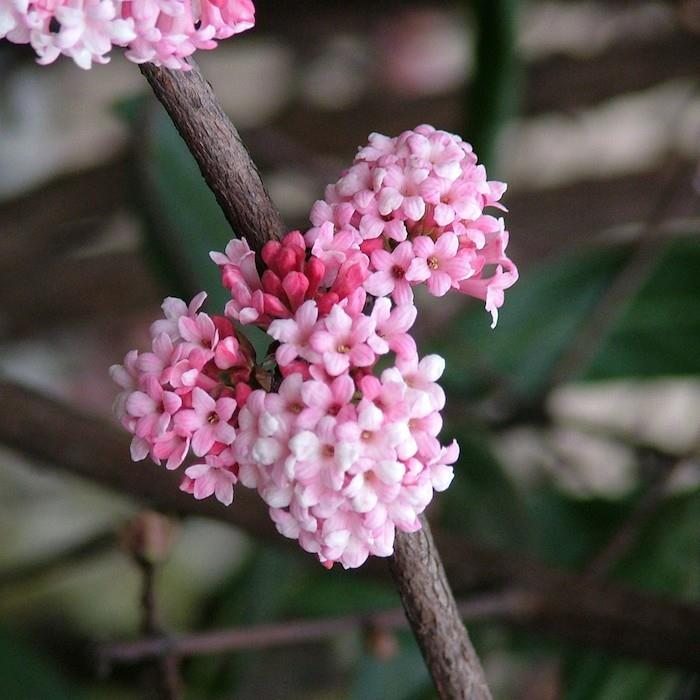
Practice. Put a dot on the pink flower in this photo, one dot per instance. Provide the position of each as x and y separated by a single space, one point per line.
390 275
287 403
322 455
198 330
209 478
164 32
341 454
207 421
343 342
228 354
440 467
442 151
391 328
294 335
321 399
332 247
488 239
171 447
175 309
421 378
153 409
439 263
126 376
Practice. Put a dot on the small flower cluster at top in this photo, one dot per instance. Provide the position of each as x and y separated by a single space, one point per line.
341 452
163 32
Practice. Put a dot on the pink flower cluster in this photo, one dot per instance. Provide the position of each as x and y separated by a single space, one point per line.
341 452
185 395
416 203
163 32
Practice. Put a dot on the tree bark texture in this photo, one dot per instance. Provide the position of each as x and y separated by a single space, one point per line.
231 174
432 611
221 155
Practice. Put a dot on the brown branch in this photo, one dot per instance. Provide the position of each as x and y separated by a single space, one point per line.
221 155
432 611
234 179
489 606
57 217
566 606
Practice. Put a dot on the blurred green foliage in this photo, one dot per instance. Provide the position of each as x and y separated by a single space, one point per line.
25 674
655 334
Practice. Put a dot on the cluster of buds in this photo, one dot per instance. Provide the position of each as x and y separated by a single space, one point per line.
341 452
163 32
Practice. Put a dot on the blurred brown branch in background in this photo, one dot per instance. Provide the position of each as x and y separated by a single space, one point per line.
148 539
478 607
564 605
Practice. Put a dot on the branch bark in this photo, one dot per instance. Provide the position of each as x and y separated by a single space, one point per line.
432 611
564 605
231 174
222 157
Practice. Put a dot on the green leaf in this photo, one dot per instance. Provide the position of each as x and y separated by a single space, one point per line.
257 592
568 531
659 332
664 560
540 317
339 592
482 501
593 676
656 334
494 92
27 675
402 677
184 222
665 556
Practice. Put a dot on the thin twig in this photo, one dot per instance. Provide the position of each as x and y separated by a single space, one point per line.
231 174
168 675
644 510
145 542
221 155
295 631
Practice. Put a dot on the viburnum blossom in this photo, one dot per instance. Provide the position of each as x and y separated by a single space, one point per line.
163 32
418 187
176 396
343 453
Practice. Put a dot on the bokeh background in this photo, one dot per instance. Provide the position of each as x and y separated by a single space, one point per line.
579 416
